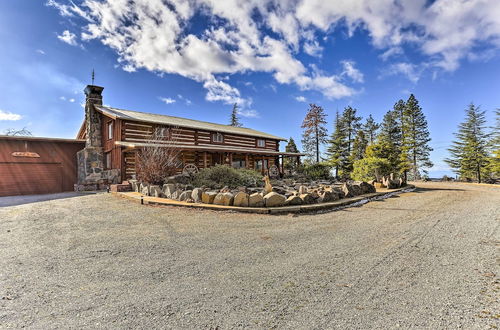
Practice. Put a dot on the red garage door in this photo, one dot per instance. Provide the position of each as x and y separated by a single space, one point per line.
30 178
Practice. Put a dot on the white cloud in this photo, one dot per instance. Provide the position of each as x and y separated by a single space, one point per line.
411 71
71 100
39 51
300 99
313 48
68 37
157 36
350 71
5 115
167 100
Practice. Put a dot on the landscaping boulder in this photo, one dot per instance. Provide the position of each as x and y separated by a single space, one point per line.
348 190
168 189
225 199
176 194
356 189
144 189
327 196
241 199
302 190
196 195
185 195
307 199
338 191
134 184
274 199
364 187
155 191
256 200
293 200
279 190
208 197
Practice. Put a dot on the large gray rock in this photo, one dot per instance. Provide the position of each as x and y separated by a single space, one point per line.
256 200
133 184
307 199
144 189
185 195
168 190
274 199
327 196
302 190
338 191
241 199
155 191
196 195
348 190
293 200
225 199
176 194
208 197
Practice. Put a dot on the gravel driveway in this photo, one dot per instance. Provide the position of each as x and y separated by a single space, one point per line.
425 259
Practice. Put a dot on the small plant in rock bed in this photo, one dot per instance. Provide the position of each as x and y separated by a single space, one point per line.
220 176
318 171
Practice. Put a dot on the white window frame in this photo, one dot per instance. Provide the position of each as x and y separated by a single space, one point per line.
110 130
261 143
217 138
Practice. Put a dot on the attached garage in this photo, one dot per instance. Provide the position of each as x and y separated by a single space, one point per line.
32 165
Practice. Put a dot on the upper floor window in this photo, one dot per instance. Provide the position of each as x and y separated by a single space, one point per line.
110 130
261 143
217 138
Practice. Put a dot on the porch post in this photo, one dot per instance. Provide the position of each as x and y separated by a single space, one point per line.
247 165
231 159
263 162
204 159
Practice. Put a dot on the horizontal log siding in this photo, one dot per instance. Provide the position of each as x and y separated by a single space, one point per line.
139 132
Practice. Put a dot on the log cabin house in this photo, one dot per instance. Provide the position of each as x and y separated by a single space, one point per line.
118 135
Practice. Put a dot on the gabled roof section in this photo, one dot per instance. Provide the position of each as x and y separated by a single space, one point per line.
181 122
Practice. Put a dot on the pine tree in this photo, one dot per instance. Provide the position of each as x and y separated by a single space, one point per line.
289 163
370 129
415 138
388 143
234 120
399 115
336 151
468 153
315 133
359 146
495 146
351 125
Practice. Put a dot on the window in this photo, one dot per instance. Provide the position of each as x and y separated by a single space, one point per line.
258 164
238 163
217 138
261 143
110 130
107 164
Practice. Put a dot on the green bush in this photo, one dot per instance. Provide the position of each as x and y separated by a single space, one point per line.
370 168
318 171
219 176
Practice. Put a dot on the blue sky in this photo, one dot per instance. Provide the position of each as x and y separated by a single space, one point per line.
196 58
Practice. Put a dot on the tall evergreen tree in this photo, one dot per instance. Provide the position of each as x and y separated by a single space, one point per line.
388 143
351 124
234 119
315 132
337 151
399 114
359 146
290 164
415 138
495 146
370 128
468 153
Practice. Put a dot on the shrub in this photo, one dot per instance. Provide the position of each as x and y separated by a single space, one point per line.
318 171
371 168
220 176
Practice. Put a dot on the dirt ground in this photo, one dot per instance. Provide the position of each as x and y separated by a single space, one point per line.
424 259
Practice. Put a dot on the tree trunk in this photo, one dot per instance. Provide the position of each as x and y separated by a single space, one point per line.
317 145
478 173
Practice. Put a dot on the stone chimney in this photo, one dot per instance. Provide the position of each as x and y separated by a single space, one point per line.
93 119
91 173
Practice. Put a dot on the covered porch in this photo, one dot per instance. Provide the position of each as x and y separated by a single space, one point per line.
207 156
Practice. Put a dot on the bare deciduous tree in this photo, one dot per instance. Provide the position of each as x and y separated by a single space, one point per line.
159 159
